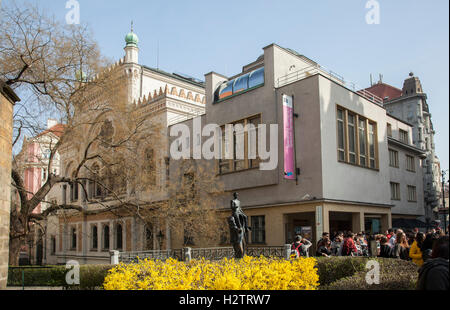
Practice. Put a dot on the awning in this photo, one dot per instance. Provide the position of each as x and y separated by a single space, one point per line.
408 223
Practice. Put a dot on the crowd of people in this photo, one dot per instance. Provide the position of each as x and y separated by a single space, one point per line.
411 245
429 251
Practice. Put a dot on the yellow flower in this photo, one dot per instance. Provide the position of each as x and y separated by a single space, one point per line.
249 273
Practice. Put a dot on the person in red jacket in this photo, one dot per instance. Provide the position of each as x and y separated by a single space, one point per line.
389 234
349 247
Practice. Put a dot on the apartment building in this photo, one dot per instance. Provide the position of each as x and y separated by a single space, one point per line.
410 104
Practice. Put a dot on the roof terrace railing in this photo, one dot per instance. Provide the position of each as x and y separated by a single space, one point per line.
315 69
184 117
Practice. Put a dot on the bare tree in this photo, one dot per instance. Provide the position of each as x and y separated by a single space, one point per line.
114 152
54 67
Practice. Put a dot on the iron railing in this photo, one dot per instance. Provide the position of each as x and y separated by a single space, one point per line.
267 251
134 257
315 69
211 254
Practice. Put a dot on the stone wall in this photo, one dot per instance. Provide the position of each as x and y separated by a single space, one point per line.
7 99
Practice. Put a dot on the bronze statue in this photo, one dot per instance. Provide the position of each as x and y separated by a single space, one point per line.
238 223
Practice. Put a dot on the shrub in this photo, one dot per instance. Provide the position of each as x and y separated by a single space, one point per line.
334 268
395 274
249 273
37 276
91 276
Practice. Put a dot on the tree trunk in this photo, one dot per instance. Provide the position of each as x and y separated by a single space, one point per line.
14 251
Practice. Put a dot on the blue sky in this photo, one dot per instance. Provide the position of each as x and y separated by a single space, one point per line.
197 36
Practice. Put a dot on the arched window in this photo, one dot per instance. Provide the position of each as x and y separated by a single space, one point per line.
241 84
119 239
73 245
149 165
226 90
95 189
148 243
74 188
94 236
106 133
256 78
106 237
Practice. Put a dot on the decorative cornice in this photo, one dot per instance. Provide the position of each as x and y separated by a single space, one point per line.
173 93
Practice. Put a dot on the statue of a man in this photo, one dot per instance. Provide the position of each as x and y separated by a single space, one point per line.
238 223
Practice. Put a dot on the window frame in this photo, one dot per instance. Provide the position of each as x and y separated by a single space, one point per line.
403 136
104 239
248 163
396 163
411 189
367 137
258 224
395 194
94 237
73 238
389 130
410 163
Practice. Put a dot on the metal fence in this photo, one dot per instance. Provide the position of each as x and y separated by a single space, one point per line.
187 254
315 69
134 257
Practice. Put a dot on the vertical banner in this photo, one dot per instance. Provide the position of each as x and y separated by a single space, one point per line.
288 128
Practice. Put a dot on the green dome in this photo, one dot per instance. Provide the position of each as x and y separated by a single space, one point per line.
132 39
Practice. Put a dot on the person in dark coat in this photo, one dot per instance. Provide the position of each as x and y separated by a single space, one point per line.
433 275
385 249
427 246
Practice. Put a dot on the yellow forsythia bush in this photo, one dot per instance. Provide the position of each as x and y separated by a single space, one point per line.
249 273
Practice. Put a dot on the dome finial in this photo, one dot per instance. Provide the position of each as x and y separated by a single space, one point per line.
132 39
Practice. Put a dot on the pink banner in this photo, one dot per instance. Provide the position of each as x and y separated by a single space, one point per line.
288 127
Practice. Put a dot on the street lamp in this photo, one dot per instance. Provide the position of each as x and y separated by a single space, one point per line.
160 237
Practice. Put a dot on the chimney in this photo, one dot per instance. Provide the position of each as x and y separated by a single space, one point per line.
51 122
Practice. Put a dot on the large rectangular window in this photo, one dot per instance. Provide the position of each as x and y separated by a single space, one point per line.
241 145
395 191
356 139
258 229
393 158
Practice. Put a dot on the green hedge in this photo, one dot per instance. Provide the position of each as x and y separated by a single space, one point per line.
91 276
331 269
349 273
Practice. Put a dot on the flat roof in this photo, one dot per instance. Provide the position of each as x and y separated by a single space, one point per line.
174 76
